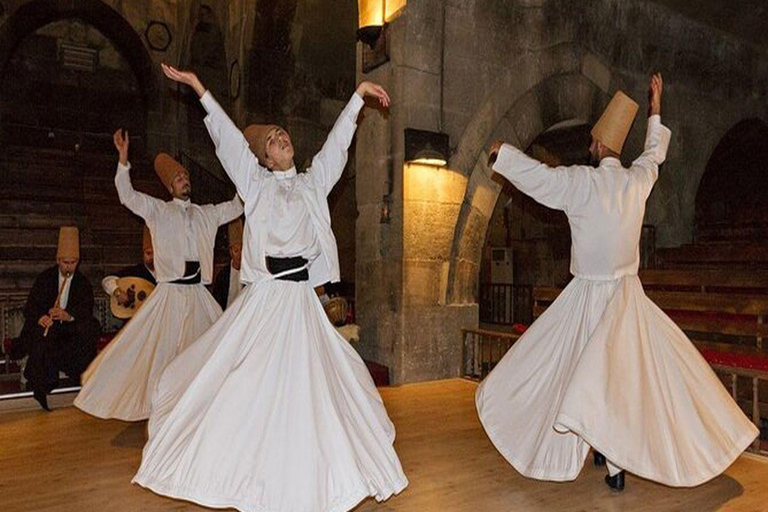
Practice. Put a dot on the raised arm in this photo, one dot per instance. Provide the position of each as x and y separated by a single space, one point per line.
229 210
555 187
231 147
645 168
328 164
139 203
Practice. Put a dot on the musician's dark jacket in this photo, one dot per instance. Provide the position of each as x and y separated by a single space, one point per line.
69 346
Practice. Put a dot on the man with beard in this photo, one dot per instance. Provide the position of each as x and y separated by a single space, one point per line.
120 381
604 366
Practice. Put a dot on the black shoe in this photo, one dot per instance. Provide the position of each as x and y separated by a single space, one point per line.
599 459
615 482
42 399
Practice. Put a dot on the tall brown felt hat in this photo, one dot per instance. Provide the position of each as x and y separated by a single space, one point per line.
69 242
167 168
235 232
613 126
146 239
256 135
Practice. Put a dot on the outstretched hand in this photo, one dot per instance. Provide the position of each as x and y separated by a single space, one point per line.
373 90
493 152
654 94
184 77
121 143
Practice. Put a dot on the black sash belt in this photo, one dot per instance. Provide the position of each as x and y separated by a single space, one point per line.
278 265
191 273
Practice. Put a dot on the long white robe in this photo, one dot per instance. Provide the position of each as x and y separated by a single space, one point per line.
604 366
120 381
271 410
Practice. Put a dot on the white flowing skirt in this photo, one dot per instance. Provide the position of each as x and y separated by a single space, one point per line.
271 411
120 381
605 367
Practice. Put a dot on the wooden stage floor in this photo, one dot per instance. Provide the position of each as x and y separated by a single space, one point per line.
68 461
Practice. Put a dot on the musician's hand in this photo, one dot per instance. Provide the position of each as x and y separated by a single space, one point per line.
45 322
184 77
60 314
122 298
121 143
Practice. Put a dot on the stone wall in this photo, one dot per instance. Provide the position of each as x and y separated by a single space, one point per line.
511 70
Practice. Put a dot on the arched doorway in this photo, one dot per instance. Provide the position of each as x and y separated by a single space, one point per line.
564 101
72 71
731 203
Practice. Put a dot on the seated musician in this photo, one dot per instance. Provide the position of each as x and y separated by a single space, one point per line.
60 331
145 270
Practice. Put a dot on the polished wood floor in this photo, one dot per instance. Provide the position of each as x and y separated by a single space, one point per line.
68 461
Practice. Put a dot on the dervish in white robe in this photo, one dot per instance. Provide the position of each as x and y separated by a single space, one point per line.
272 410
120 381
604 366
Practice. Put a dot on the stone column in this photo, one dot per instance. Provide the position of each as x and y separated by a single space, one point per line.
403 257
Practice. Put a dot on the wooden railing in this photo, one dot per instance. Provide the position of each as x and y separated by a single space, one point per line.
483 349
505 304
758 408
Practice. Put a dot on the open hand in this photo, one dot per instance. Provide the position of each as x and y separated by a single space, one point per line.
654 94
121 143
373 90
184 77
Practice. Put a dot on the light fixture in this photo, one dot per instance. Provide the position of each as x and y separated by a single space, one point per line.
373 15
426 148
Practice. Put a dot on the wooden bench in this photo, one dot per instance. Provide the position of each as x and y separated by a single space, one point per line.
731 314
726 280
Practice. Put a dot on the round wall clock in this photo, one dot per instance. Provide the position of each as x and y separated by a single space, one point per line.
158 36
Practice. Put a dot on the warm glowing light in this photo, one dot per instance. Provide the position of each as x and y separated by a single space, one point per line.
427 183
393 8
371 13
374 13
434 162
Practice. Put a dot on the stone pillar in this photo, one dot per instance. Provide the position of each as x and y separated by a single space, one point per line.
407 214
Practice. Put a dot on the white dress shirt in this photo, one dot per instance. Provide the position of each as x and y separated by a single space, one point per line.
605 205
64 298
180 229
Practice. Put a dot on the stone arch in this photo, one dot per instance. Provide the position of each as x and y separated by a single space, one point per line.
536 93
730 201
38 13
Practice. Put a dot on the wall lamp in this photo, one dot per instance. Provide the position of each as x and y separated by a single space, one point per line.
373 17
426 148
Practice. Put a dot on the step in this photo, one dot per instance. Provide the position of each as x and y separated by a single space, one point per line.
107 254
